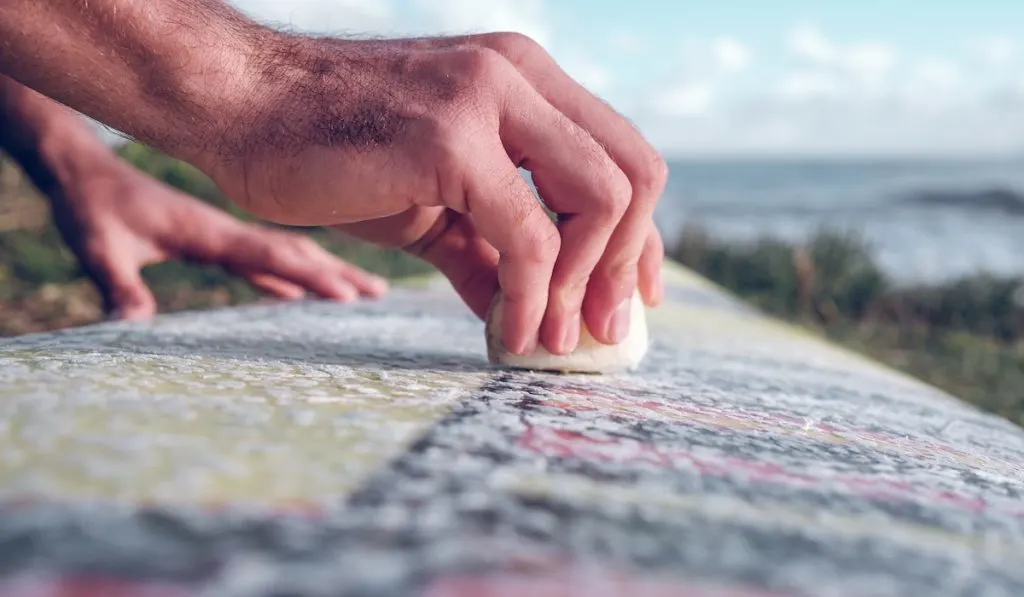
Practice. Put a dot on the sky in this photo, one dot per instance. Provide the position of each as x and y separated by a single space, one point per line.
752 77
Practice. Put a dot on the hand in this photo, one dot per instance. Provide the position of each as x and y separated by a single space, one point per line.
426 134
416 143
118 220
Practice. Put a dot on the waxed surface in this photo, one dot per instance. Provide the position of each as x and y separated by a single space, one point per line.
322 449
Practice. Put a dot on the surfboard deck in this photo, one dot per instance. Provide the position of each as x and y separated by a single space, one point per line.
315 448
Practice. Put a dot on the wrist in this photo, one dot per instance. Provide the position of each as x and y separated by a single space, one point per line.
282 91
211 90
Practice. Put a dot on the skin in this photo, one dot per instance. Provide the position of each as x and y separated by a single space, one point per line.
117 220
408 143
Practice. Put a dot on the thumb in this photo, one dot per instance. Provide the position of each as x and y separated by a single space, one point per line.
445 239
125 294
462 256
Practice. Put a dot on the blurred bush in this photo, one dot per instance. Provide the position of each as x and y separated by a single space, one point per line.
965 336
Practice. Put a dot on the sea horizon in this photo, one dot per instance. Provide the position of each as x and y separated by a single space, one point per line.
927 218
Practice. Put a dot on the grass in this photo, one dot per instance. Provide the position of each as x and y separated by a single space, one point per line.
966 336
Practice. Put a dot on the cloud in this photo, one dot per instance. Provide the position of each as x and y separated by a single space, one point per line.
587 72
865 60
933 86
715 58
939 73
809 43
686 100
731 54
761 125
996 50
870 59
825 97
706 70
799 87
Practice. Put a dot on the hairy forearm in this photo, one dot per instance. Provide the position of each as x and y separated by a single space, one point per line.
167 72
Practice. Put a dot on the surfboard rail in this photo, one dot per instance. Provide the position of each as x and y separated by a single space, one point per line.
314 448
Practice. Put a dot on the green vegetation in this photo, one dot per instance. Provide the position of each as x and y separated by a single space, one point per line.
966 336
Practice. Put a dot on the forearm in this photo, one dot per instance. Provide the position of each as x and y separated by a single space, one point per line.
50 142
167 72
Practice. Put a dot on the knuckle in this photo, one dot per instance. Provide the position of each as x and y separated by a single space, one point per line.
276 252
448 147
615 196
271 256
304 246
513 45
573 286
623 268
652 175
542 245
447 136
620 194
482 63
468 82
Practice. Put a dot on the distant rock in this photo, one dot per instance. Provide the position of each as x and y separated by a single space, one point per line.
1008 201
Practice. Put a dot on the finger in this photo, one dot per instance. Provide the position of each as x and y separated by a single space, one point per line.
578 181
445 239
362 282
614 279
125 294
508 216
302 262
453 246
651 260
275 286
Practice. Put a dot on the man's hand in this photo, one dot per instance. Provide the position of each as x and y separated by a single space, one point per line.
117 220
417 144
409 143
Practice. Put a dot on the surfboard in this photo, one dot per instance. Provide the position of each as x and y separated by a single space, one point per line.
315 448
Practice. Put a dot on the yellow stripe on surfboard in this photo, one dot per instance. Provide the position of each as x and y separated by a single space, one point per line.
211 430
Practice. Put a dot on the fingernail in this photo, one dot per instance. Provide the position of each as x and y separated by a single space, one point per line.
571 334
618 325
655 293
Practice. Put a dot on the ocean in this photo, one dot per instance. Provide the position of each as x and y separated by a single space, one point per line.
925 220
